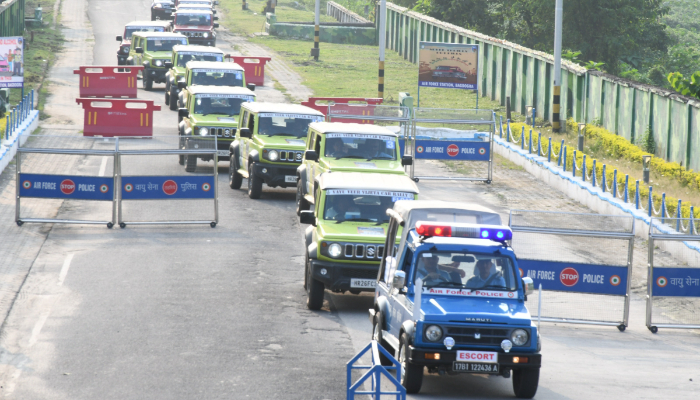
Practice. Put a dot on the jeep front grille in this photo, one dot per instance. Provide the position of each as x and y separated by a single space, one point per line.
192 34
222 132
487 336
291 156
360 251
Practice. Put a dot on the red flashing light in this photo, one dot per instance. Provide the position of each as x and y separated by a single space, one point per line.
433 230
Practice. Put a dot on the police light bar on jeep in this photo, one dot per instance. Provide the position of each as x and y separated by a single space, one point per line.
492 232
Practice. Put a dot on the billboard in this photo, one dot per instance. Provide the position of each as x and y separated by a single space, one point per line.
12 62
448 65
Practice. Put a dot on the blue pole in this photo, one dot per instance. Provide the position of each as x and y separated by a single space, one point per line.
573 165
651 201
663 208
522 139
539 143
614 184
627 191
583 168
603 180
533 116
593 174
560 159
636 196
508 130
678 216
562 153
691 226
31 97
549 150
501 128
529 145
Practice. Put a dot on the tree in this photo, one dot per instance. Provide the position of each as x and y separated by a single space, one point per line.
686 87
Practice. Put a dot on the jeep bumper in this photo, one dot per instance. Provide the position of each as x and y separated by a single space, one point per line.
155 74
338 275
121 58
416 355
198 142
276 175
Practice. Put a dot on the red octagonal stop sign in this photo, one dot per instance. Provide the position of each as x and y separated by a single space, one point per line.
452 150
67 186
569 276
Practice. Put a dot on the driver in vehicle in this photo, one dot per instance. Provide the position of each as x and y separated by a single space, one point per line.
429 271
375 150
486 274
337 148
341 206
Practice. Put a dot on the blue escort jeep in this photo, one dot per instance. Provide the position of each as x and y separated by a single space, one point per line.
451 297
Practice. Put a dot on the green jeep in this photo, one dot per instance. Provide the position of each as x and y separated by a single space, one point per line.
177 67
345 241
341 147
210 73
152 50
269 145
210 111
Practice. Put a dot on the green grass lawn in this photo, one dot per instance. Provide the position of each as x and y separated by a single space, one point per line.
253 20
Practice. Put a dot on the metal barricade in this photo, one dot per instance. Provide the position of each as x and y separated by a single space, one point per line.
177 194
582 261
374 374
56 167
460 142
673 280
342 105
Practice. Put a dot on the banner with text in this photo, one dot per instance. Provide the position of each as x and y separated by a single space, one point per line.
444 150
12 62
573 277
448 65
676 282
66 187
167 187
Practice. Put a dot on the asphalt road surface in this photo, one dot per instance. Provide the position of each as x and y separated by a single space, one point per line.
191 312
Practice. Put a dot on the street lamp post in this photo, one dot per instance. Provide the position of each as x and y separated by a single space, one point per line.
556 100
315 52
646 164
382 45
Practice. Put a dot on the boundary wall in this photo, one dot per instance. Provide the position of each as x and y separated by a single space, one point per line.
342 14
525 75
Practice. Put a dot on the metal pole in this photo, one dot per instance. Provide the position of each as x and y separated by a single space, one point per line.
315 52
558 15
382 46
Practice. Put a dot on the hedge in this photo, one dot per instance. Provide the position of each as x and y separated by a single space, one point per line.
620 148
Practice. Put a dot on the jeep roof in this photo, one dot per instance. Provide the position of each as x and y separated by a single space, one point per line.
197 48
160 35
341 127
213 65
196 89
367 181
485 215
202 11
164 24
263 107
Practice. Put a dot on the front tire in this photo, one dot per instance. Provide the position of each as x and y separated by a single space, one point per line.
302 204
411 374
254 182
190 162
235 180
173 99
314 289
146 81
167 97
377 336
525 382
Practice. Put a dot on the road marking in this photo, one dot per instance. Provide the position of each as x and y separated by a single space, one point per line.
103 166
37 328
64 269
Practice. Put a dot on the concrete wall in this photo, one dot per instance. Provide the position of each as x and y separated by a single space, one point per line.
342 14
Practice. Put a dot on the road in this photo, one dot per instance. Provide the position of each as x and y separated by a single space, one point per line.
191 312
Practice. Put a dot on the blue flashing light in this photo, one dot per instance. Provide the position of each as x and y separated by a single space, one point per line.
499 234
485 234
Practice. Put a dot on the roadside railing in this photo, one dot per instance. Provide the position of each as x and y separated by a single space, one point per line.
374 374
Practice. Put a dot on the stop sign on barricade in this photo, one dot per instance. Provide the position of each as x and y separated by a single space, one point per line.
254 68
107 81
118 117
351 106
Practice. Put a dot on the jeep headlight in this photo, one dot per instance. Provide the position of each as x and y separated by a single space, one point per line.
126 49
334 250
158 5
433 333
205 35
158 63
203 131
273 155
519 337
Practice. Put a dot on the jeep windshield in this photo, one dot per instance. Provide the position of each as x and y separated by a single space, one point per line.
129 31
184 58
216 77
360 205
368 147
229 105
163 44
274 124
465 270
193 19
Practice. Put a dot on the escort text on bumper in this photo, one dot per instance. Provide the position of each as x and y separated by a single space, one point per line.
448 360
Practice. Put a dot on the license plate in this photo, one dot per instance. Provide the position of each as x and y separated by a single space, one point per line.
489 357
477 368
362 283
222 153
290 178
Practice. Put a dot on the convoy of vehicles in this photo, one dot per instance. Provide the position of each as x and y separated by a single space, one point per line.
178 67
198 26
269 145
210 73
345 239
137 26
153 50
162 9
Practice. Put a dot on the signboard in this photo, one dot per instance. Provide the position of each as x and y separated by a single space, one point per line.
573 277
676 282
448 65
444 150
12 62
66 187
167 187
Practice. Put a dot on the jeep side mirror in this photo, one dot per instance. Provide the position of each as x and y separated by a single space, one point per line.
250 86
216 18
181 84
399 280
139 50
245 133
307 217
406 160
119 38
183 112
168 64
216 3
528 286
213 12
311 155
215 24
